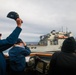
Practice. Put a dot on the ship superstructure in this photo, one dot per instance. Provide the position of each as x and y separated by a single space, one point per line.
50 42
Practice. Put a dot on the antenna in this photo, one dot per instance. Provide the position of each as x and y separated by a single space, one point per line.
62 28
66 29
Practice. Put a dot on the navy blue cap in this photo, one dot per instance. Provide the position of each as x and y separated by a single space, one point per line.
13 15
69 45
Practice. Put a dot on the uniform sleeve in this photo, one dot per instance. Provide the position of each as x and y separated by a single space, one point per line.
10 40
26 51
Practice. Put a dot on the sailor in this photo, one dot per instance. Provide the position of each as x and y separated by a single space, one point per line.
17 56
64 61
7 43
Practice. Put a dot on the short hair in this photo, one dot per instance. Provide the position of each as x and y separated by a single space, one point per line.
19 41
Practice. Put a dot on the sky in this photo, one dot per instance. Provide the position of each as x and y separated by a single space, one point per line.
39 17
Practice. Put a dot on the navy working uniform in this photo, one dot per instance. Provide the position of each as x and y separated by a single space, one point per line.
5 44
64 62
17 56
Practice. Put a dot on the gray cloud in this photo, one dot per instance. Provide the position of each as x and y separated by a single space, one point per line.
39 16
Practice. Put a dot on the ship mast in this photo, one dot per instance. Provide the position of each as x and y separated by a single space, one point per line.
66 29
62 28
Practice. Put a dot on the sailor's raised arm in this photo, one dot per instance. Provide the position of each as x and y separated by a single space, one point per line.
12 38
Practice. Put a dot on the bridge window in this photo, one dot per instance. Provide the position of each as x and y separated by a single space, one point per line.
33 47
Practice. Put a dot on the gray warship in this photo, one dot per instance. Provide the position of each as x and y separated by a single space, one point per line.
50 42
